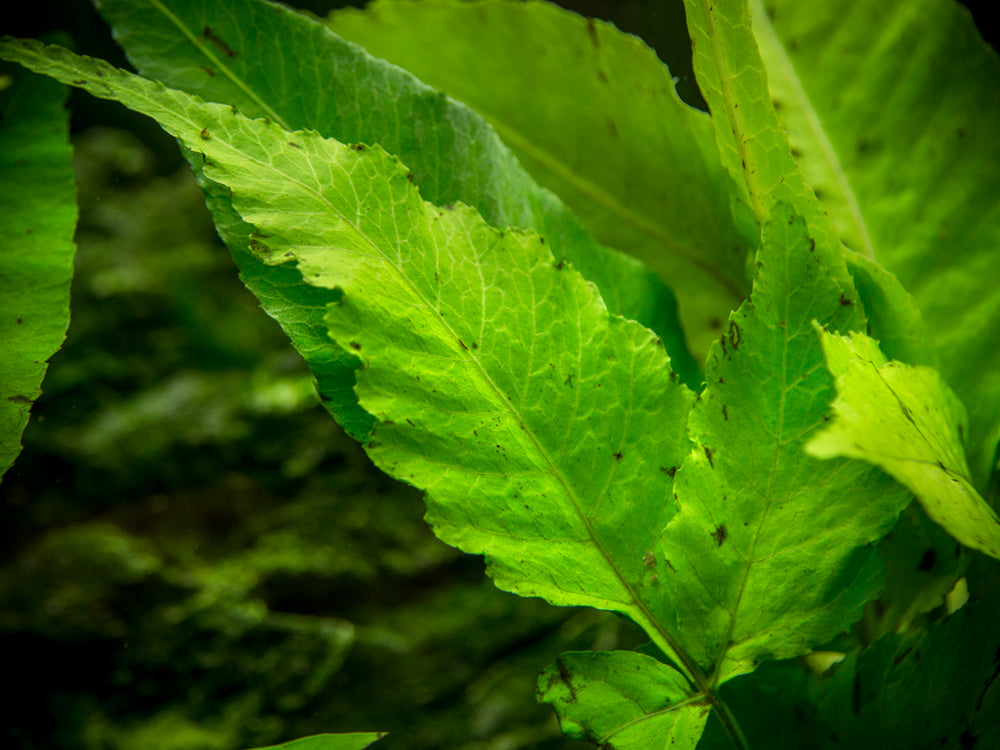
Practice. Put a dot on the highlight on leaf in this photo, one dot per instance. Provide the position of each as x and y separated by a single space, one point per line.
904 419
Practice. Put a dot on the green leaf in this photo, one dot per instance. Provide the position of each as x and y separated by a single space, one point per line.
904 419
607 132
485 359
923 563
38 213
352 741
893 316
623 699
226 53
924 688
752 145
893 109
762 559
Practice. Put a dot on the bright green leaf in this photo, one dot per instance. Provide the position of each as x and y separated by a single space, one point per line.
624 700
485 358
226 53
607 131
38 213
893 109
352 741
904 419
762 559
753 147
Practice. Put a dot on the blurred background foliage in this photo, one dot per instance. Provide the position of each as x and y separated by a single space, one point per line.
194 555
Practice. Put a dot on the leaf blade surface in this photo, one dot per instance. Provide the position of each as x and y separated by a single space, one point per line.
38 211
763 553
607 132
892 109
624 700
486 359
904 419
226 53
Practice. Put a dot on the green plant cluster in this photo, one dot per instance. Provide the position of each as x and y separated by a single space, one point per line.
730 374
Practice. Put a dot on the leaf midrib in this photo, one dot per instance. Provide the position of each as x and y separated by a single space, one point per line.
746 154
71 74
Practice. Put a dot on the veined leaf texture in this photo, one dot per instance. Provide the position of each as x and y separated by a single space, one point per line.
486 348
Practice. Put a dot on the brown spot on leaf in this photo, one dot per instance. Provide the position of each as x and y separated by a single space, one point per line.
564 675
720 534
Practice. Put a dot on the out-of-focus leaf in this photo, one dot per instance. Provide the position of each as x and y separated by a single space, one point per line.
893 316
936 688
38 213
607 131
352 741
923 563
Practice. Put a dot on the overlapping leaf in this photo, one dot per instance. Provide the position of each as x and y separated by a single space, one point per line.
893 110
937 687
606 131
904 419
624 699
753 147
272 62
38 213
543 428
762 559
